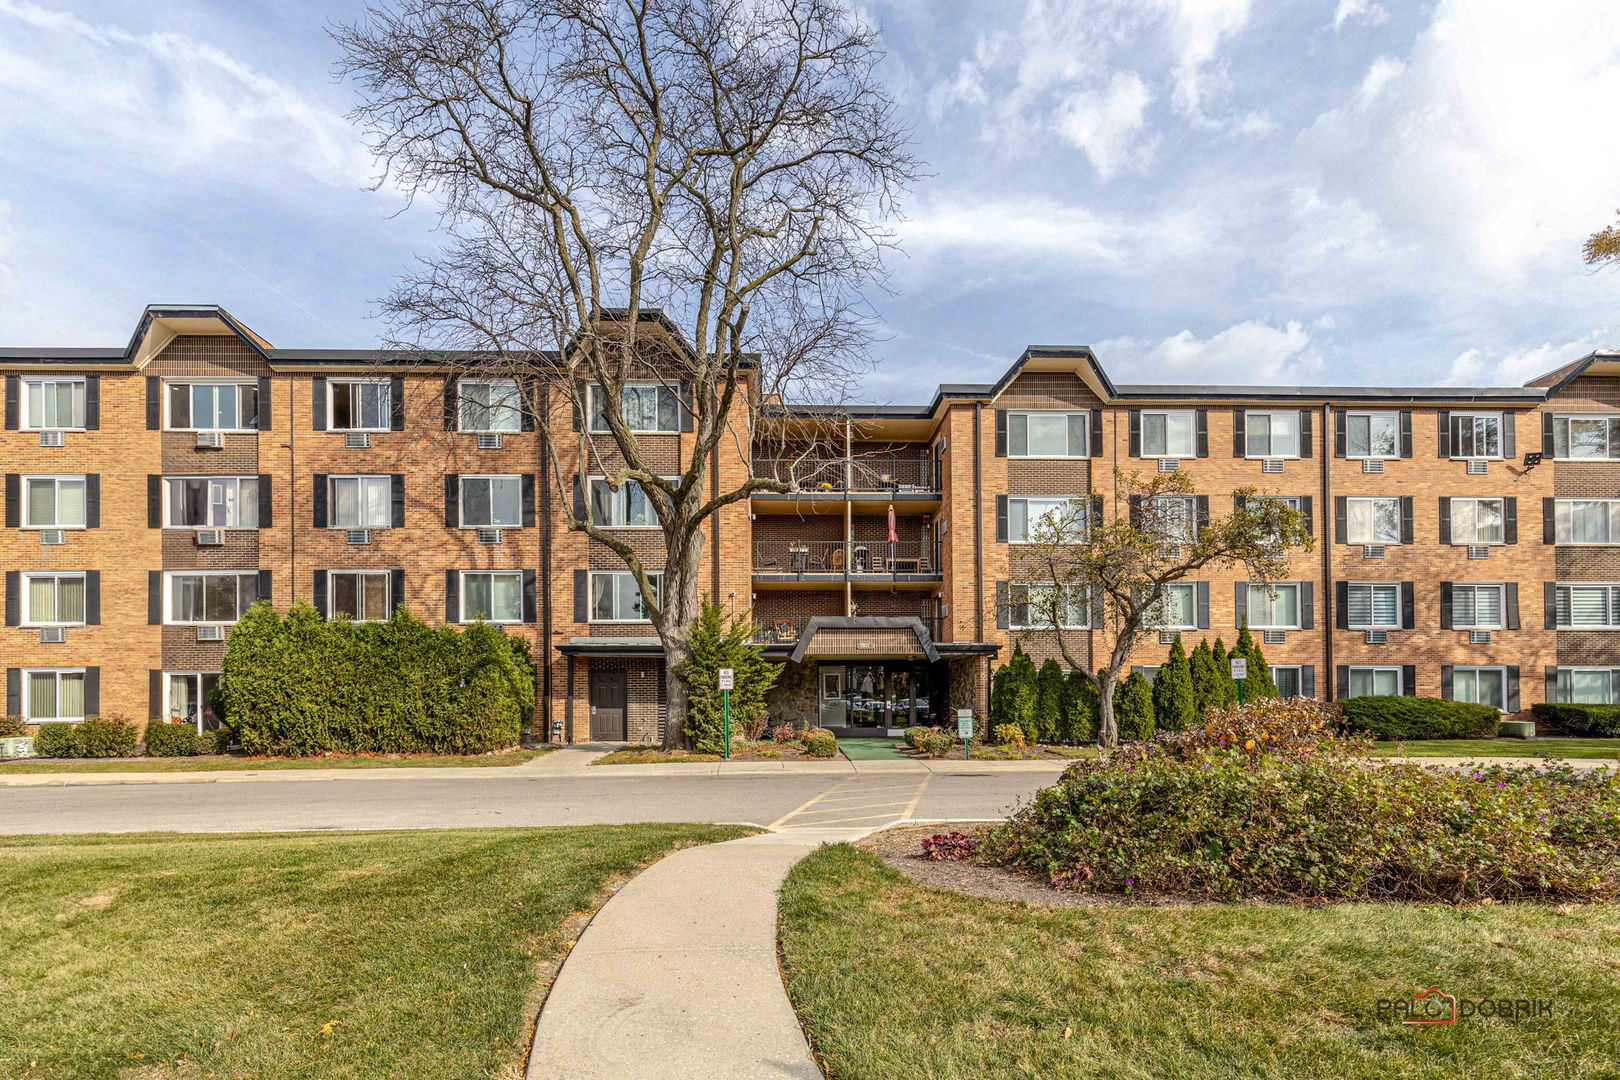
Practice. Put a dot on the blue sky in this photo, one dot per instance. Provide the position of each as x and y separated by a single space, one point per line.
1358 191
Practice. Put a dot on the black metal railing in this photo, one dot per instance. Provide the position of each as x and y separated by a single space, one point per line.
781 631
893 475
836 557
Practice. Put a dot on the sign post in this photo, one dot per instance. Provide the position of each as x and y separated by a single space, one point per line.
727 679
964 731
1240 671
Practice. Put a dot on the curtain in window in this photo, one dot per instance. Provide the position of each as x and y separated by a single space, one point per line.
42 695
181 704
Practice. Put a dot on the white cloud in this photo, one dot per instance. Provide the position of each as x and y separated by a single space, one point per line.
1247 353
1366 11
1481 367
1108 124
1197 29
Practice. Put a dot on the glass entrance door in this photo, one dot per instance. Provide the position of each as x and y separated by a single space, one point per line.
867 701
834 706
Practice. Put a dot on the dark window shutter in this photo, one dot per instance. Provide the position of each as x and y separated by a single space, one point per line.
1202 589
1096 433
399 500
92 500
1549 598
1443 427
1096 512
1134 503
154 502
154 403
582 596
1202 508
526 402
396 589
1240 427
1001 433
528 596
688 416
265 591
1513 705
452 596
1341 528
1446 682
267 511
579 498
92 597
452 500
1445 605
1510 613
1203 432
1409 680
1240 502
1406 519
1099 608
323 606
13 597
1003 610
13 402
1549 521
1341 604
1408 605
1343 681
1305 506
1305 433
1550 690
1307 605
1510 520
154 691
264 403
1547 447
1338 432
581 401
14 691
1307 680
1510 435
527 484
92 402
13 500
451 407
1406 433
1136 433
317 403
1001 519
1240 603
92 691
396 403
1445 520
318 500
154 597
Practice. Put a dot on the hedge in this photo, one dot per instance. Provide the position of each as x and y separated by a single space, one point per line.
297 685
1400 717
94 737
182 740
1596 721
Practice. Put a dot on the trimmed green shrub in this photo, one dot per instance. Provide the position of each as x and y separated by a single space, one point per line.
297 685
1590 721
1079 709
183 740
821 745
106 736
912 734
11 727
1399 717
1048 711
719 642
1133 708
1173 692
936 745
1258 684
57 740
1223 673
1012 691
1010 735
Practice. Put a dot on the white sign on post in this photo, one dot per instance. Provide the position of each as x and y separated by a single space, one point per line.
726 679
964 723
1240 668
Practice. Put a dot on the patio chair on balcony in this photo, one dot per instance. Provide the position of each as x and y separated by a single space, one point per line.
786 632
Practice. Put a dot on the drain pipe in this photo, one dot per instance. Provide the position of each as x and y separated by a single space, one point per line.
1325 518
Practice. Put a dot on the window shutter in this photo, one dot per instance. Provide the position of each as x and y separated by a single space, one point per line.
582 596
1446 681
14 691
452 596
396 589
1550 690
688 417
1307 605
1240 427
396 403
13 597
1134 502
1510 520
1240 603
1202 507
581 399
1001 519
154 403
452 407
579 498
526 402
92 500
1408 605
1343 681
1510 435
1099 608
1003 612
399 500
1001 433
318 500
1409 680
528 596
154 692
1096 513
1307 680
323 607
1341 528
1305 433
92 691
1406 519
1341 604
1547 448
1406 433
1513 705
317 403
13 500
264 403
267 512
1310 517
1445 605
1240 503
1550 600
526 482
1096 433
92 402
1202 589
263 586
92 597
452 499
1444 429
13 399
1549 521
154 597
1510 604
1136 433
154 501
1445 520
1203 432
1338 433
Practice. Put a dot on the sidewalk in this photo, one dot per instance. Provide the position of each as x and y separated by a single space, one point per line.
676 978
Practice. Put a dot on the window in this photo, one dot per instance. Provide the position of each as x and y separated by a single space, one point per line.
1379 681
1587 607
53 502
493 596
1271 434
1476 521
1050 518
1592 437
491 502
1047 434
213 406
615 597
1477 607
1373 605
209 597
360 405
212 502
1476 435
1176 517
1293 502
489 405
1169 434
362 502
53 599
1589 686
1481 685
190 698
648 408
1274 607
628 507
52 404
361 595
1177 608
1373 521
1289 679
1029 607
54 694
1586 521
1372 435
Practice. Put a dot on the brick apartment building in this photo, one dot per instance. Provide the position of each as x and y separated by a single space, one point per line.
153 491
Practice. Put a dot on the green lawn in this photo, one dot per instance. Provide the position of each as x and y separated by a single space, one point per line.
896 981
235 764
1569 748
409 955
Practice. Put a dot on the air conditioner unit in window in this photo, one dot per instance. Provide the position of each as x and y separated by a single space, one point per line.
1479 637
1478 551
52 537
1274 637
210 537
210 440
52 438
1377 637
489 440
359 536
1170 551
1169 464
52 635
1271 466
1167 637
210 633
357 440
1372 551
1477 468
490 536
1372 465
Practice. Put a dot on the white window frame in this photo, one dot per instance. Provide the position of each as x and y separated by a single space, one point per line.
1565 688
1564 527
1611 602
1400 677
1566 435
1475 499
387 400
1278 587
169 507
1501 605
1191 449
169 577
656 576
1299 678
621 502
82 391
57 479
1175 586
1084 604
1392 415
25 606
1476 670
332 502
189 381
597 388
1453 435
1349 532
462 606
1067 415
27 698
516 411
1372 607
388 593
1074 500
168 695
1270 415
461 500
1190 504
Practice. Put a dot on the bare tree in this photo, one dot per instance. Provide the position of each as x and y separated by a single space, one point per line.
1121 567
677 201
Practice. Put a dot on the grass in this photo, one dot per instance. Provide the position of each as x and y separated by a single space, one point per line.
235 764
897 981
410 955
652 755
1473 748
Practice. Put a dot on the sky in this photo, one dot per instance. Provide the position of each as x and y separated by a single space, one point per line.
1373 192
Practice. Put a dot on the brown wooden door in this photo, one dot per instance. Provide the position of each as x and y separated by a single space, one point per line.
607 706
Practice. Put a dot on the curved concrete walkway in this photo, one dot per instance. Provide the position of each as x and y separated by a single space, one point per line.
676 977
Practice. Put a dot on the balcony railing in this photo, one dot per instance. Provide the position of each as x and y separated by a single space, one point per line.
835 557
786 630
894 475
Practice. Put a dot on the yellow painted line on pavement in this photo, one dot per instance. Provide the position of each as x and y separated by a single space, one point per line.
847 809
911 808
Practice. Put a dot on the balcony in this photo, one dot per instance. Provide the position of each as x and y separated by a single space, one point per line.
846 559
891 475
786 630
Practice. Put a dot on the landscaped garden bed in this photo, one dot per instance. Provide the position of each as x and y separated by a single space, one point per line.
242 762
741 750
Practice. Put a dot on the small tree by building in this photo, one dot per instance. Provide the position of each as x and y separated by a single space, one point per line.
1012 690
1079 709
721 642
1206 680
1048 713
1133 707
1173 692
1258 683
1223 672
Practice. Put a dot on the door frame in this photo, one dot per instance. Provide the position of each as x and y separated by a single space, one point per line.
622 678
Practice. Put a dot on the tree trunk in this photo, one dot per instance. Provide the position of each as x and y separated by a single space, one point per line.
680 603
1107 730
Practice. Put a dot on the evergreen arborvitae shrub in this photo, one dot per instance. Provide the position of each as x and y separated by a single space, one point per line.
1206 683
1003 695
1223 673
1259 683
1133 708
1012 691
1173 692
1079 710
1048 718
720 642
